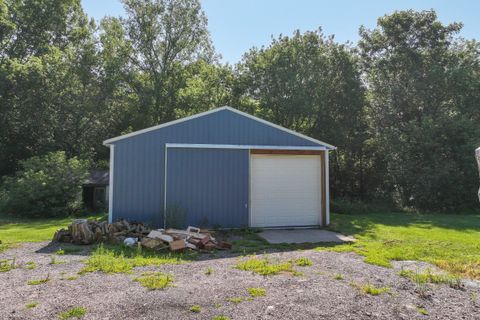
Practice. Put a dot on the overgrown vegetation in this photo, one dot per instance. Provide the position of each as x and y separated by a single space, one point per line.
154 280
77 312
121 259
448 241
45 186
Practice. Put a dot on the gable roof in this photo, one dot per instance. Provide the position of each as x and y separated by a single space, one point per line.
167 124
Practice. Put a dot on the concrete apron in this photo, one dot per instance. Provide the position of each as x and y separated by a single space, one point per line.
303 236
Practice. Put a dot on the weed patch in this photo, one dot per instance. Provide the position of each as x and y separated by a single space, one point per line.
338 277
264 267
209 271
54 260
77 312
374 291
38 281
302 262
7 265
430 277
422 311
221 317
124 259
30 265
155 281
257 292
31 305
195 308
236 300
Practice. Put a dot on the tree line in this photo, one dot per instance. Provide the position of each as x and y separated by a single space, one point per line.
401 105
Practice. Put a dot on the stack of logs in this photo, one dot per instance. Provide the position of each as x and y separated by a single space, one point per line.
84 231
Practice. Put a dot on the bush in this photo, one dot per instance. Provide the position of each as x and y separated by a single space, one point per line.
47 186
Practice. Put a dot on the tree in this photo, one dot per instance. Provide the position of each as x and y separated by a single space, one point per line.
311 84
422 81
45 186
165 36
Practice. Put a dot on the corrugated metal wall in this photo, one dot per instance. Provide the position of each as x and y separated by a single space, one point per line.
208 187
138 186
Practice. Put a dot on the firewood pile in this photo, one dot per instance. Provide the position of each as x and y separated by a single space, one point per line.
84 231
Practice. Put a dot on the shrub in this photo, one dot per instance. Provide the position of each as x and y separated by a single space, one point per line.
77 312
45 186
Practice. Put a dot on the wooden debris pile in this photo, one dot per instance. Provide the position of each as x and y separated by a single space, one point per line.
175 240
84 231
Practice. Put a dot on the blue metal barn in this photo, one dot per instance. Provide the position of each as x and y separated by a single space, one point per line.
221 168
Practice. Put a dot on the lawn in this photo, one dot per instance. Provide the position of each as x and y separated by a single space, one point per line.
451 242
32 230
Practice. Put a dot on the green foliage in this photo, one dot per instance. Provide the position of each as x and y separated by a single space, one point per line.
155 280
209 271
77 312
220 317
338 277
45 186
257 292
449 241
124 259
30 265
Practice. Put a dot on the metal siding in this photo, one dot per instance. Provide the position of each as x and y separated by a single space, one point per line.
210 186
138 187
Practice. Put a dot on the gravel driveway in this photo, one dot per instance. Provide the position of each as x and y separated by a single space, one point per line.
314 295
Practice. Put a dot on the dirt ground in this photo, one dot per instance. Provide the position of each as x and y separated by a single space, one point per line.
314 295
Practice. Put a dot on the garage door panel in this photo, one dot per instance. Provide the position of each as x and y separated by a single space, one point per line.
285 190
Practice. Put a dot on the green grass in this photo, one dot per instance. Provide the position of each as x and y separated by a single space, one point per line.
236 300
31 305
7 265
209 271
430 277
372 290
221 317
13 230
303 262
195 308
338 277
257 292
155 280
264 267
77 312
30 265
446 240
119 259
38 281
422 311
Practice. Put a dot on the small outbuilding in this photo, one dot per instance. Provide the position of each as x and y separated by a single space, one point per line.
95 190
221 168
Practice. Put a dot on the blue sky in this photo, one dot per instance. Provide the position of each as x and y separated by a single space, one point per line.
238 25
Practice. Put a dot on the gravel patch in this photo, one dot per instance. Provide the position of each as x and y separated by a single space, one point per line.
316 294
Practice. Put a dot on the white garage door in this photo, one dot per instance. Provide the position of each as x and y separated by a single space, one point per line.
285 190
